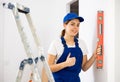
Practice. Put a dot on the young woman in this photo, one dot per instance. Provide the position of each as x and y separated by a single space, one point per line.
67 55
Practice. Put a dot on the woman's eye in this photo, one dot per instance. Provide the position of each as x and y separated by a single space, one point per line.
72 24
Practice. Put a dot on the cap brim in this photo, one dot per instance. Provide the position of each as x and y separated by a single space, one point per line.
81 19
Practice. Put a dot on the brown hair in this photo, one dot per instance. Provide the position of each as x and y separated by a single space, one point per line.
63 31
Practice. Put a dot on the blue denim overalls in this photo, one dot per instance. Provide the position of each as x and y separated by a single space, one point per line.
69 74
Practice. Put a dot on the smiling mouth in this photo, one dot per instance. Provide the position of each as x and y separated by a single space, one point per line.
74 31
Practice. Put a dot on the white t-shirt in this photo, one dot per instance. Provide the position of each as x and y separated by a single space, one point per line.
56 47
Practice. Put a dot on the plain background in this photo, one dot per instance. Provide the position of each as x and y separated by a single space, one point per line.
47 17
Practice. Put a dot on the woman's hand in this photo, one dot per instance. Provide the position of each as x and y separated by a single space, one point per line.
97 51
70 61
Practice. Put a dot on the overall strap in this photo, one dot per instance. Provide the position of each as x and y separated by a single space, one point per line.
76 42
63 42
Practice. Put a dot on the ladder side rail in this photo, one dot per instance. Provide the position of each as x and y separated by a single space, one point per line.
21 70
23 63
37 41
47 69
26 44
24 40
19 76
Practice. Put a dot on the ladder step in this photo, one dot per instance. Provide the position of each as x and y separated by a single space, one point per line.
25 10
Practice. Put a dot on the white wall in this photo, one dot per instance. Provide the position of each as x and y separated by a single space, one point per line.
117 40
88 9
47 17
1 43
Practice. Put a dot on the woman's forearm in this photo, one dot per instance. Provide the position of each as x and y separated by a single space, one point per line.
57 67
70 61
88 64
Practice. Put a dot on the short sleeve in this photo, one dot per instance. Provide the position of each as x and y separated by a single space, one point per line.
52 49
83 47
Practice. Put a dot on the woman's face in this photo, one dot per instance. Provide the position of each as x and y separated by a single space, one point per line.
72 27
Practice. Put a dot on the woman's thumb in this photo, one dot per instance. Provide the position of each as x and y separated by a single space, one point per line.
68 55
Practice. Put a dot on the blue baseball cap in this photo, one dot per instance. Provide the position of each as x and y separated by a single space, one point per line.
71 16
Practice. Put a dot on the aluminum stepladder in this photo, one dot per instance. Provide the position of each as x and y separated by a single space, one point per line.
16 9
100 36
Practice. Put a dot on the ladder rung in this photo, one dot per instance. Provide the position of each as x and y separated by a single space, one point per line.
25 10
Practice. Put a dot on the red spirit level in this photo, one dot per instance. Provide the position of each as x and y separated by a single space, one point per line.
100 33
